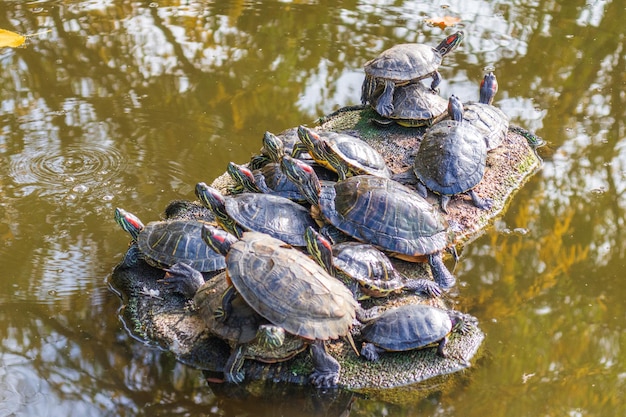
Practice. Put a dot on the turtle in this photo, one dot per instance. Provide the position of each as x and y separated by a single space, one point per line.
414 105
345 154
164 243
451 158
402 64
490 121
363 268
411 326
268 213
289 290
275 146
248 333
268 179
381 212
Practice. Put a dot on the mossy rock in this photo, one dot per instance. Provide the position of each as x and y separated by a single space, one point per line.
154 314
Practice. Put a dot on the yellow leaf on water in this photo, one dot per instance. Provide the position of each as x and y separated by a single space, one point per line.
11 39
443 22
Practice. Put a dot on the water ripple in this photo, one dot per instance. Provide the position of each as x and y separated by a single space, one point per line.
73 169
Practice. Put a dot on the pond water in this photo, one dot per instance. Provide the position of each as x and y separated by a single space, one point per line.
129 104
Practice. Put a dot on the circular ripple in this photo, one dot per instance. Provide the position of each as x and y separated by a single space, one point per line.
71 168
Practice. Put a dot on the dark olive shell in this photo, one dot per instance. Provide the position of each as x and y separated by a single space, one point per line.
414 105
386 214
411 326
289 289
271 214
404 62
490 121
358 154
165 243
451 158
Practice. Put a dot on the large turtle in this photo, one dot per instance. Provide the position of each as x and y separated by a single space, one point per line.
414 105
249 335
164 243
367 271
289 290
267 213
412 326
342 153
401 64
490 121
381 212
451 158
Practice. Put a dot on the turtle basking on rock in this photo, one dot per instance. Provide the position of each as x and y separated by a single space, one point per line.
403 64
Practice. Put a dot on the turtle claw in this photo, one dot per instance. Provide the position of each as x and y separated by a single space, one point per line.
234 378
219 314
324 379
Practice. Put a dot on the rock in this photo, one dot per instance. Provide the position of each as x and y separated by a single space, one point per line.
154 313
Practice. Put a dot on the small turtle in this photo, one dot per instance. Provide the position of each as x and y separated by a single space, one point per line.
364 265
249 335
344 154
268 180
412 326
413 105
267 213
490 121
164 243
381 212
451 158
275 146
289 290
402 64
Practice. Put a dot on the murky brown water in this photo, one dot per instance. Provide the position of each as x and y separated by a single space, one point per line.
130 104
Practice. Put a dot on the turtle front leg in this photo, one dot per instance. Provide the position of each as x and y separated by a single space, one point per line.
481 203
384 106
441 275
436 81
233 369
424 286
371 352
326 373
441 346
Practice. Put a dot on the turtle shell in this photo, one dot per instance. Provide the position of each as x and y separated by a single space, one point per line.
270 179
367 265
289 289
411 326
271 214
414 105
451 158
386 214
404 62
165 243
358 154
490 121
241 325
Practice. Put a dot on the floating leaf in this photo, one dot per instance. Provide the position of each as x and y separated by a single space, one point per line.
443 22
11 39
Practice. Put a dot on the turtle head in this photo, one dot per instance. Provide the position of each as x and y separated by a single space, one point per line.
320 249
461 322
270 336
313 142
218 239
215 201
455 108
450 43
129 222
488 88
273 146
243 176
303 176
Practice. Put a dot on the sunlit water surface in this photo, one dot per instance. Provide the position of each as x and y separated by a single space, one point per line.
130 104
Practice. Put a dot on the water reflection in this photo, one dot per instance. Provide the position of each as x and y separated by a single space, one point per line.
130 104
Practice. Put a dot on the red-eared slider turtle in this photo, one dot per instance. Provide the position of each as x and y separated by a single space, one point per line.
413 105
412 326
288 289
266 213
275 146
401 64
381 212
164 243
344 154
367 271
249 335
490 121
268 180
451 158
